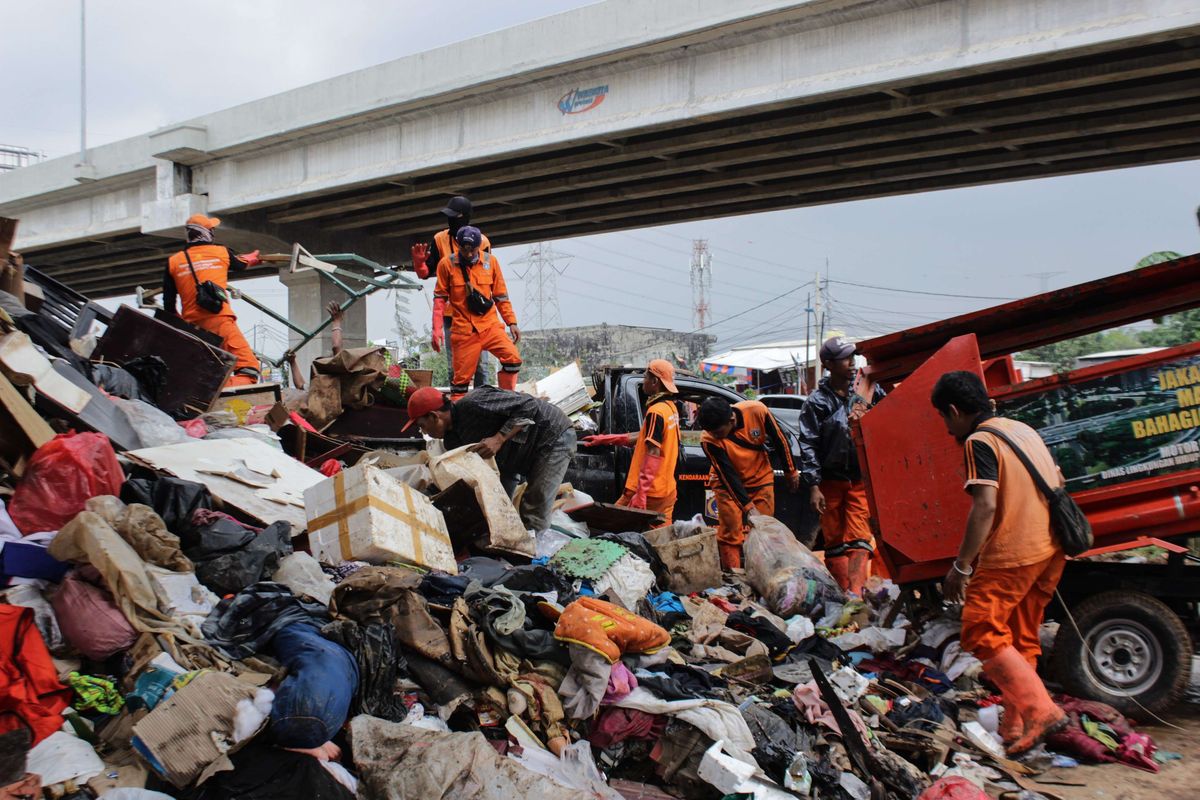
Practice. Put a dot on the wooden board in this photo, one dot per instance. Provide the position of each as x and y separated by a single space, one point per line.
196 371
199 460
611 518
22 430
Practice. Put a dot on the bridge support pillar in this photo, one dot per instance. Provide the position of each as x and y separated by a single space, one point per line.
308 295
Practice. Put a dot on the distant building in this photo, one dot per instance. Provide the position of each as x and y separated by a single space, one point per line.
596 346
1091 359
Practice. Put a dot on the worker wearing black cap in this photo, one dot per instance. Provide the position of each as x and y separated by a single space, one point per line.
829 463
424 255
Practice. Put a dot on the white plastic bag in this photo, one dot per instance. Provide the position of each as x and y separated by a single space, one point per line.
302 573
154 427
575 769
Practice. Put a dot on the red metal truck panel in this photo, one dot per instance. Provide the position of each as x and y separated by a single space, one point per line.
915 470
1045 318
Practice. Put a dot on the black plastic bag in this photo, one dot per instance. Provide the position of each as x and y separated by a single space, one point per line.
173 499
229 558
380 663
117 381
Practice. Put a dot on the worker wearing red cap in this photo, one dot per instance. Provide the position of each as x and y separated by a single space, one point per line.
530 439
650 484
472 283
739 441
199 276
829 463
458 215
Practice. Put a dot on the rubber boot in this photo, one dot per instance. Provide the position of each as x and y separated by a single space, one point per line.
858 571
1024 691
507 380
1011 724
731 555
839 568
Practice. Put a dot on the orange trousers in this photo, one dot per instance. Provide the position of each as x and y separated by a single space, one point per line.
1004 607
234 342
847 516
466 349
663 505
730 528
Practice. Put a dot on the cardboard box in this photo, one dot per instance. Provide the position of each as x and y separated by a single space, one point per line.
364 514
188 736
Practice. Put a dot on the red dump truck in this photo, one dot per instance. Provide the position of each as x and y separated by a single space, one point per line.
1126 435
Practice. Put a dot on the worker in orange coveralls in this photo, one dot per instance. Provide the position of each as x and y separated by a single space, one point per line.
472 283
736 439
458 215
202 262
1009 562
829 463
651 481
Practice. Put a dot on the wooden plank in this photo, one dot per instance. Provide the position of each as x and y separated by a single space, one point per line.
22 430
196 371
609 517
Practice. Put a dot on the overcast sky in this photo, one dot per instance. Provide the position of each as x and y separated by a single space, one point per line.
154 62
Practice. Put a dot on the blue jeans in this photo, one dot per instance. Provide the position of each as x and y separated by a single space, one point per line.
482 369
312 702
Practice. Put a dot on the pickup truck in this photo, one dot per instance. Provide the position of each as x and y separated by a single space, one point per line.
601 471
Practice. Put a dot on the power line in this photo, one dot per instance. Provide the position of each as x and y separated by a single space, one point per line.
919 291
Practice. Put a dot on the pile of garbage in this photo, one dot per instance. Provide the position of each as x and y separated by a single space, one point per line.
212 594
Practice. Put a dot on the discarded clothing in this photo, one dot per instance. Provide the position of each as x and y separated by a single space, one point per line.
173 499
313 701
95 693
679 681
397 762
368 595
30 694
615 725
263 772
244 624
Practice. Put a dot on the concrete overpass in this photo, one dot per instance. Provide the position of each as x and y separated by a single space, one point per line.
629 113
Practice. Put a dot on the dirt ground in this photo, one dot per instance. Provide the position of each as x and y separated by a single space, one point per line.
1176 780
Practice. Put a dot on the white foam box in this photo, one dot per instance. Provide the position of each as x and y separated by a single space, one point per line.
364 514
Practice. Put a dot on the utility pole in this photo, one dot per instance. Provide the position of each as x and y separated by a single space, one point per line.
808 348
83 157
541 288
817 309
701 282
1044 279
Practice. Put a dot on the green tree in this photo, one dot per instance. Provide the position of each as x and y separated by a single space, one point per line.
1063 354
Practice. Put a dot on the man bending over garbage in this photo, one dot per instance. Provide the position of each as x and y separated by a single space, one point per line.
1009 562
529 438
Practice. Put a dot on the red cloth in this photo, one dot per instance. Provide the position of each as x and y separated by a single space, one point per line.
30 693
195 428
615 725
331 467
953 788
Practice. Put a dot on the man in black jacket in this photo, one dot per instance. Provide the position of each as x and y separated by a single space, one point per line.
829 464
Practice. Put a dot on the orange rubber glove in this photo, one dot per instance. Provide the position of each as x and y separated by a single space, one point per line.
420 255
251 259
439 333
651 465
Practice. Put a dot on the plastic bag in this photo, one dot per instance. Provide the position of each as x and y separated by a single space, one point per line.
575 769
90 620
154 428
789 578
63 474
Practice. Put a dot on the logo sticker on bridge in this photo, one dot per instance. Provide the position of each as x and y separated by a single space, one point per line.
578 101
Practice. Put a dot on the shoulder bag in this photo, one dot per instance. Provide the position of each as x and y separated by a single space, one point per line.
1068 521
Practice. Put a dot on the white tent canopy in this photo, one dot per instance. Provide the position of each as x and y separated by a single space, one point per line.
762 357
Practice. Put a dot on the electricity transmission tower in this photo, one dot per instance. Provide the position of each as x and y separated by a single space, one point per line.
701 281
541 284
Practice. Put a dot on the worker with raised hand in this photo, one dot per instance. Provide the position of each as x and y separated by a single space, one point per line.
199 276
739 441
650 484
470 280
829 463
429 253
1009 562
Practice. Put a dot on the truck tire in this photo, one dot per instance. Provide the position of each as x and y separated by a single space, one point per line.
1135 653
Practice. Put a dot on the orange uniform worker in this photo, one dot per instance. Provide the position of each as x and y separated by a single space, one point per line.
199 263
651 481
472 283
1017 560
829 464
458 215
736 440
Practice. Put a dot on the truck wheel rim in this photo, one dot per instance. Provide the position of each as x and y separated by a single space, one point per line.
1124 656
